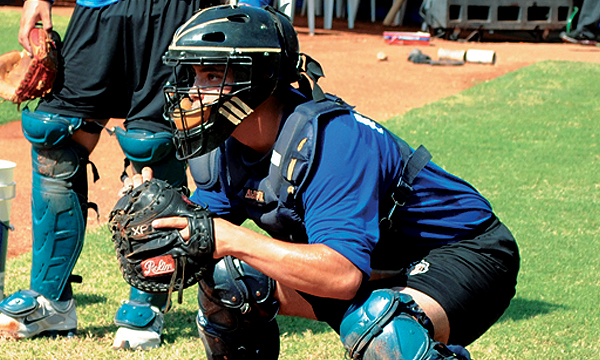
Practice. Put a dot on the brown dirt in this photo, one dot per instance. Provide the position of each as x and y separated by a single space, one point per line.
379 89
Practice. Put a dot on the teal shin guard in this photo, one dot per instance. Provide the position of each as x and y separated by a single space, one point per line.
59 212
137 313
155 150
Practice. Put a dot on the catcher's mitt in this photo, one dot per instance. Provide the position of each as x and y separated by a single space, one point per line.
25 76
160 260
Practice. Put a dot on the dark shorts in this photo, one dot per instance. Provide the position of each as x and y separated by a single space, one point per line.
473 280
112 61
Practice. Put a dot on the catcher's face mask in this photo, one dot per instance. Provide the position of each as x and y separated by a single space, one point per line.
227 60
207 103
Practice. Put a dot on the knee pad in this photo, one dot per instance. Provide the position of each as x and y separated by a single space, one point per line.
46 130
155 150
59 211
237 313
385 326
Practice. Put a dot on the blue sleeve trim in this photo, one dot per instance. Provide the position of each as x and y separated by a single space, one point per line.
95 3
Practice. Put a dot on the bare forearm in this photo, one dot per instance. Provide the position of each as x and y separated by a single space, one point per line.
314 269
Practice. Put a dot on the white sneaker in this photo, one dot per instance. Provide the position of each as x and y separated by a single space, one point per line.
27 314
145 338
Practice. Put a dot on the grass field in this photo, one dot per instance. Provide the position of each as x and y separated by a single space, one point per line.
527 140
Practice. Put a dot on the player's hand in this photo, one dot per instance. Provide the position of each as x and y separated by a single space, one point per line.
34 11
169 222
176 222
136 180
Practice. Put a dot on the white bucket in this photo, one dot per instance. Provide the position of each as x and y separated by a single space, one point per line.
481 56
456 55
7 188
7 193
7 169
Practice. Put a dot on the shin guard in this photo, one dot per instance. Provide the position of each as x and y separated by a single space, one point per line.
155 150
59 212
237 313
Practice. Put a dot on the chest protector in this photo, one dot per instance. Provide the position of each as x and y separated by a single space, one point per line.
270 189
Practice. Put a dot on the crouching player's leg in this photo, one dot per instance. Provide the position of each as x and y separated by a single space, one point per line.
140 319
237 313
390 325
461 290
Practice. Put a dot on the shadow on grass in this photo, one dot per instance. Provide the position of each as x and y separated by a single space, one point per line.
523 309
294 325
89 299
180 323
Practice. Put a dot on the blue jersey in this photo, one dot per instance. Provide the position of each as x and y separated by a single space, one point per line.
355 165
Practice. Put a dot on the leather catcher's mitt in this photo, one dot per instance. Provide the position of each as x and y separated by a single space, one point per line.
160 260
25 76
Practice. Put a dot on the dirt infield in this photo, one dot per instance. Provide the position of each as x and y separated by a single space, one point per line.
379 89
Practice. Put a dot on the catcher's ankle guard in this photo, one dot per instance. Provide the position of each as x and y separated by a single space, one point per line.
141 309
237 313
135 315
385 326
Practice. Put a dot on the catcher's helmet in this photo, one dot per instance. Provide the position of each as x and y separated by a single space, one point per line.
258 50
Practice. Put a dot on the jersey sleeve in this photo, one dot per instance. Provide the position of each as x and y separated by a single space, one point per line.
217 202
342 197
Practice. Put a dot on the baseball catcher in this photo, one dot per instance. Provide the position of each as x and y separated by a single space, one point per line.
25 76
160 260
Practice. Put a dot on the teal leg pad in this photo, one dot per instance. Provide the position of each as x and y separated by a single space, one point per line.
58 234
374 329
134 315
59 211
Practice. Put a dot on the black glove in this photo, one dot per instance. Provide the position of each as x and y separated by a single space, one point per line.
160 260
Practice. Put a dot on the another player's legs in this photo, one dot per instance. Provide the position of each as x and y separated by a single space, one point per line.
588 27
146 148
59 212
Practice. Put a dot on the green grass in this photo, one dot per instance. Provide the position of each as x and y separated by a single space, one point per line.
9 28
527 140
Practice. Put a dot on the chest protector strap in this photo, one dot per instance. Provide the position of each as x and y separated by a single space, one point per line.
296 146
414 162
